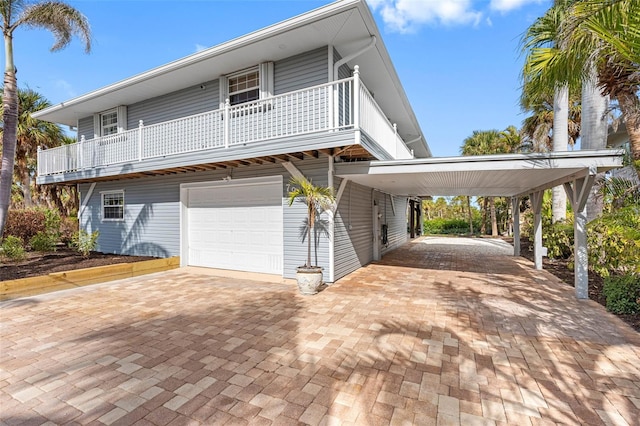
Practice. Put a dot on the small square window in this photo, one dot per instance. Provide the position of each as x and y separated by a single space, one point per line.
113 205
108 123
244 87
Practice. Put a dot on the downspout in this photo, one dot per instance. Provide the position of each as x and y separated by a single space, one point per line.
333 77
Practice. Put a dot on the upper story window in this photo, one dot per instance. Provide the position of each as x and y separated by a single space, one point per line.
109 123
244 87
113 205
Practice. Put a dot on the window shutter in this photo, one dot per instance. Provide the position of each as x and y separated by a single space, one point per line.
224 90
122 118
266 80
97 129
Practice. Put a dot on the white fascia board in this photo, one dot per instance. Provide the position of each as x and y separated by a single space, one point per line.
270 31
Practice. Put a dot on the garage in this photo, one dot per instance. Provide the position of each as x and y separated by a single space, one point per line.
233 224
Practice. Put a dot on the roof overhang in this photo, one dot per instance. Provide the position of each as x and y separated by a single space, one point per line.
490 175
346 24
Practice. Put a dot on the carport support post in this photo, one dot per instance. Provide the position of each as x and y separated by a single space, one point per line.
536 201
515 208
578 193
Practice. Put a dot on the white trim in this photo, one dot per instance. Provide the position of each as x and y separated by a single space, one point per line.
85 201
102 206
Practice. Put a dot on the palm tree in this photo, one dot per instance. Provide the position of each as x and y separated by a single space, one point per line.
31 134
317 200
483 143
550 66
605 39
64 22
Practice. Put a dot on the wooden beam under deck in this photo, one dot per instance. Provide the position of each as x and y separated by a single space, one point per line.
347 153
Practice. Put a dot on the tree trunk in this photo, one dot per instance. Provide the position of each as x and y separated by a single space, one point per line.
10 127
630 107
470 215
483 226
593 131
560 143
26 192
494 221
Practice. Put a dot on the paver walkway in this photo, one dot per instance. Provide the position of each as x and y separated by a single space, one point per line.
434 334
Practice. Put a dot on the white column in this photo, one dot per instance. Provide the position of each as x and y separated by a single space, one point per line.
536 202
332 224
515 208
227 127
356 99
578 194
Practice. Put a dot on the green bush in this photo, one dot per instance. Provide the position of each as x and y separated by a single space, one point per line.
448 226
24 224
614 242
13 249
43 242
52 223
558 239
623 294
85 242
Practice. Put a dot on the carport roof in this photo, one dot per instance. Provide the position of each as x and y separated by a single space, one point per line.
487 175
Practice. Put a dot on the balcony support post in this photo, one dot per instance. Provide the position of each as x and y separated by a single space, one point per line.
227 106
356 103
140 135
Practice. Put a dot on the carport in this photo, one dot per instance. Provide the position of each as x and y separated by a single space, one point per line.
512 175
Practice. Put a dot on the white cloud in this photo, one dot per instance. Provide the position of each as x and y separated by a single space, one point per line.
406 15
509 5
200 47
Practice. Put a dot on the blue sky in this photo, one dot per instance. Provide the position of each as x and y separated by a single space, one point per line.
458 60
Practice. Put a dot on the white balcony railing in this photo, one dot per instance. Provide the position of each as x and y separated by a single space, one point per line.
327 107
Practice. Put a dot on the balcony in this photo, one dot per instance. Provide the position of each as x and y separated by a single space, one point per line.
330 107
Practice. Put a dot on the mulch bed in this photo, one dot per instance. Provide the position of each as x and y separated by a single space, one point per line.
62 260
560 268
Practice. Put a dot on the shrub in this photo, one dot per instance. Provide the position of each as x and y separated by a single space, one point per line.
68 227
448 226
24 224
623 294
12 248
614 242
558 239
52 221
43 242
85 242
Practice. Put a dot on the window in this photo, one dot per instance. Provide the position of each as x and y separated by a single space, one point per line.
244 87
113 205
108 123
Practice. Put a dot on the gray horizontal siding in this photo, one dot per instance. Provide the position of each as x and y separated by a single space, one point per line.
152 213
301 71
182 103
85 128
353 230
396 222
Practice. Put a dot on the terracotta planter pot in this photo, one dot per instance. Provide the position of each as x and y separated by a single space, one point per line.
309 279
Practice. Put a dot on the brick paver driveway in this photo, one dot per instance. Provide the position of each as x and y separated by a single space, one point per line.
436 333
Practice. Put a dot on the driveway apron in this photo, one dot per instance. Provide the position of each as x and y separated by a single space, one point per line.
441 331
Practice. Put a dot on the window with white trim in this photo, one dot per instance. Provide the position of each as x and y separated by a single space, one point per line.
113 205
244 87
109 123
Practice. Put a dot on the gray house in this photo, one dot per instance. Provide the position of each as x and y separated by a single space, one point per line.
194 158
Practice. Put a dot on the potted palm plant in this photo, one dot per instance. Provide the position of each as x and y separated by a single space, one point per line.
317 199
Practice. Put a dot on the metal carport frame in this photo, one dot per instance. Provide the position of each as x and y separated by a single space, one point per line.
510 175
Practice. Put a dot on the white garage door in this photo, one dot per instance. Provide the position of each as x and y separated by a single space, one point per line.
236 225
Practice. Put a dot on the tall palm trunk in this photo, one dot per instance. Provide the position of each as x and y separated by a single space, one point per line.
630 107
470 215
494 221
10 127
485 207
593 130
560 143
